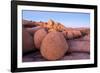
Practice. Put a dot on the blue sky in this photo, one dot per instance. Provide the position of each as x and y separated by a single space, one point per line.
69 19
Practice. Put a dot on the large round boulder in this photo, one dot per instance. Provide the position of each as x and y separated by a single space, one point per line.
54 46
39 36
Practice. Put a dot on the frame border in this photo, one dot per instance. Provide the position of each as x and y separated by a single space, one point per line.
14 5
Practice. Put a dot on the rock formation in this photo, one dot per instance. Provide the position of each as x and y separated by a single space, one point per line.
54 46
38 37
53 39
56 26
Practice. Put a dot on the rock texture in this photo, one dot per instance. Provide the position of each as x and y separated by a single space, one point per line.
38 37
54 46
27 43
80 44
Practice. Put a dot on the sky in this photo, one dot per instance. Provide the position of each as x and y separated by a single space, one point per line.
69 19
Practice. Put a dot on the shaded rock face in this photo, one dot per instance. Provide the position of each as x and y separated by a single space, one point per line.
38 37
27 43
80 44
54 46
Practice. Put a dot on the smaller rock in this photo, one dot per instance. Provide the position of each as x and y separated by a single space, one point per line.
76 33
39 36
69 35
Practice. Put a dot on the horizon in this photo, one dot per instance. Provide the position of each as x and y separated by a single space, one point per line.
69 19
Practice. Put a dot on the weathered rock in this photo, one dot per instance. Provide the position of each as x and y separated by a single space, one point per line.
79 45
38 37
27 43
85 31
50 22
54 46
50 30
69 35
76 34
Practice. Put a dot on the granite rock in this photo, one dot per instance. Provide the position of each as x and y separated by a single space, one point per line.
54 46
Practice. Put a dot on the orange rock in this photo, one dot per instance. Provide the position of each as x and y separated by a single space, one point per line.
76 33
38 37
50 30
54 46
50 22
69 35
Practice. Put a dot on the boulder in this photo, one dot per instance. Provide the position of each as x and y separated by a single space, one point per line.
54 46
38 37
69 35
27 43
76 34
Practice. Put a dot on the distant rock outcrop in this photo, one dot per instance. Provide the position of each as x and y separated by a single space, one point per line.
50 25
